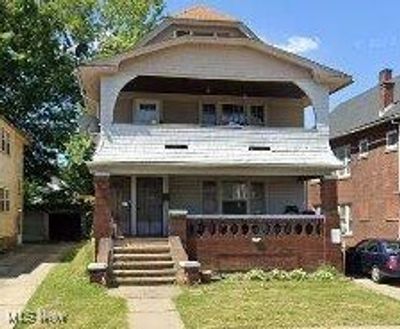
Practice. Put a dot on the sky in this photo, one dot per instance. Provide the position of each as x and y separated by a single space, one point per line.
354 36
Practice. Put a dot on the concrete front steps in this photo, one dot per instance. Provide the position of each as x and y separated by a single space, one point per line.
143 262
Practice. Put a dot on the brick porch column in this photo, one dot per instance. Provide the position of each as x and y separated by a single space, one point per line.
329 203
178 224
102 213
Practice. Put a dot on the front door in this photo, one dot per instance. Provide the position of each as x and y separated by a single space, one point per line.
149 206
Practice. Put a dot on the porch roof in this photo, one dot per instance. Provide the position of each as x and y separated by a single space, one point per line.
153 149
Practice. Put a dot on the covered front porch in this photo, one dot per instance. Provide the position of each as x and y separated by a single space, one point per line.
140 204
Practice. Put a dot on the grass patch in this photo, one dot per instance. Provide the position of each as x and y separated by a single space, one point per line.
67 290
276 304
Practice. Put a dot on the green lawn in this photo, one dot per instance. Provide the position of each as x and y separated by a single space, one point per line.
254 304
67 290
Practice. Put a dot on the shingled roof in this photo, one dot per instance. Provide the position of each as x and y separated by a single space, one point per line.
363 111
203 13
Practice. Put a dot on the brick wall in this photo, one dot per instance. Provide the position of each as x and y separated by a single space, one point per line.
243 244
372 188
102 211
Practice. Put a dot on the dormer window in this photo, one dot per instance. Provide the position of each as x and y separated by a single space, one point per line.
203 34
182 33
223 35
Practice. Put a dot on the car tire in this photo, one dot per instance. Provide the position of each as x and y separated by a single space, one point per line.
376 275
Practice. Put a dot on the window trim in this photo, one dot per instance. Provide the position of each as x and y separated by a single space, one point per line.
247 104
146 101
189 33
395 146
219 182
348 219
201 108
5 200
5 141
346 172
363 154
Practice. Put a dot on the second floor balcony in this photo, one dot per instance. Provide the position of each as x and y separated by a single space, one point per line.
181 126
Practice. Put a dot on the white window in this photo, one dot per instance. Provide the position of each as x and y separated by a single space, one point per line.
5 145
363 148
346 222
147 112
392 138
4 199
343 153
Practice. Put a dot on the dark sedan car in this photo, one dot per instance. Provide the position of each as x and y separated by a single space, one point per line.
378 258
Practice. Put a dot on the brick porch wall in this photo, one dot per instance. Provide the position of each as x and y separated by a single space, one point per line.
240 253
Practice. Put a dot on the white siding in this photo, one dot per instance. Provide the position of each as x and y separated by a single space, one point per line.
285 192
185 193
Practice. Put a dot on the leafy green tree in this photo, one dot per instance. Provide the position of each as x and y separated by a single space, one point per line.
37 90
104 27
41 43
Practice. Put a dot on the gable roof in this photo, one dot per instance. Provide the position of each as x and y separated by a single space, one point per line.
24 137
203 13
363 111
89 73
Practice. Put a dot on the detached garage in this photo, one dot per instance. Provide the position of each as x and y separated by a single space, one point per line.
40 226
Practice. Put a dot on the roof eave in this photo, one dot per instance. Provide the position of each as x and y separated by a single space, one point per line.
381 120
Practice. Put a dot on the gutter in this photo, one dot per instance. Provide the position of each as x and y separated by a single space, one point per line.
366 126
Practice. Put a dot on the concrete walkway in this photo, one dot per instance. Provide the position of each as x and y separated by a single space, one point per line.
391 290
21 272
151 307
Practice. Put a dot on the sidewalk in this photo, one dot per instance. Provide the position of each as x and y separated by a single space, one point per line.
21 272
151 307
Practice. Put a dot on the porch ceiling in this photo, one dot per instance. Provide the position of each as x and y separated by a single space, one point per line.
175 85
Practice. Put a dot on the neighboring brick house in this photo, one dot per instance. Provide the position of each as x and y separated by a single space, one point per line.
202 137
364 135
12 143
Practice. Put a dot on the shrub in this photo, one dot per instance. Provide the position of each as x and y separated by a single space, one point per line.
323 273
257 275
298 275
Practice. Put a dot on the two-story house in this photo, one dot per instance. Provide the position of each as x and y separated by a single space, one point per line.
12 142
204 121
364 133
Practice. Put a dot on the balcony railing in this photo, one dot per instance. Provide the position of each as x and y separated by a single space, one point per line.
255 225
